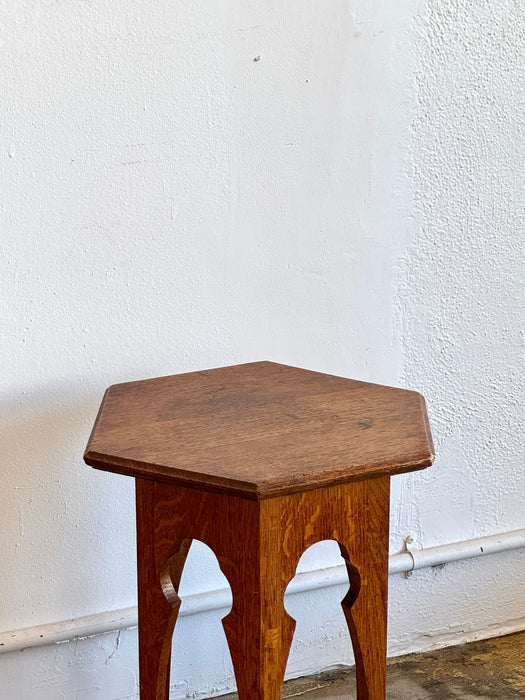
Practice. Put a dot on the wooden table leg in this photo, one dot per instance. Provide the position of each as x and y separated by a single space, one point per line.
160 562
355 515
366 619
365 551
258 628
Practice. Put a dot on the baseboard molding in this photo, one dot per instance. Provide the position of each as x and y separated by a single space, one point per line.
408 561
454 637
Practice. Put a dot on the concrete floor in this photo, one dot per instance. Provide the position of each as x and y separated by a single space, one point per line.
485 670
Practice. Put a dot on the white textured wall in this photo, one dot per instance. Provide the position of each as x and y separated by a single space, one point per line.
459 304
350 203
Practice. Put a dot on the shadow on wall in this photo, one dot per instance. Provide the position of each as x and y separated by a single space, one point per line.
49 502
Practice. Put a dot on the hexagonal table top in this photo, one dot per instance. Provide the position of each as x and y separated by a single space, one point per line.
259 430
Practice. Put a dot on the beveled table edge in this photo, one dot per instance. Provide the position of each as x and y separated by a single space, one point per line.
245 489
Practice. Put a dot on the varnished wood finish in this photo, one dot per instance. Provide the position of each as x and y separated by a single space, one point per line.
258 546
260 461
259 430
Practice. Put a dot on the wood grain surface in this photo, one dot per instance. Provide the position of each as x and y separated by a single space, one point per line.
259 430
258 545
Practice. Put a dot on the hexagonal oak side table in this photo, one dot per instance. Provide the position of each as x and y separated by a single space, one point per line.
260 461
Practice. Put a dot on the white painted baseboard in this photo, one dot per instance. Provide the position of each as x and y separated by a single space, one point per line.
412 559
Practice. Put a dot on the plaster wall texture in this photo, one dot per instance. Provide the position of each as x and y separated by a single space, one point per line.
194 185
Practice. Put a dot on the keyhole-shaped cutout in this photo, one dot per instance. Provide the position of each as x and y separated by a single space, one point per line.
322 611
200 654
